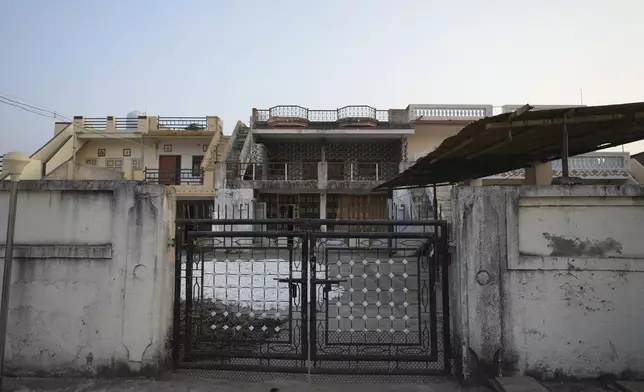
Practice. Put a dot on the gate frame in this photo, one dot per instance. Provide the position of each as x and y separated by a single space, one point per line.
312 230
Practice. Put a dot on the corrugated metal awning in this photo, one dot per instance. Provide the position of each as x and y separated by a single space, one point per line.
516 140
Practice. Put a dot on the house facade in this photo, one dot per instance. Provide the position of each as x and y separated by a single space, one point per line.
298 162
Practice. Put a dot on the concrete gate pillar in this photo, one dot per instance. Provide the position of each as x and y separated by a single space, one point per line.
479 227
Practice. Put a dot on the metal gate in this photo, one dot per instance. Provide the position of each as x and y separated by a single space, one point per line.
368 297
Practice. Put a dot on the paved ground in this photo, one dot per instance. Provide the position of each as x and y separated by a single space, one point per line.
195 384
187 383
590 386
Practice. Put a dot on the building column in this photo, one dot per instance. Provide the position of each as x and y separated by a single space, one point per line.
539 173
323 209
322 170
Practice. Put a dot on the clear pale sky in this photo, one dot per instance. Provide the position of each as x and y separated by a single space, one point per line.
224 57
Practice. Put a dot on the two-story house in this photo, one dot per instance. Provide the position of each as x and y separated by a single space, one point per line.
297 162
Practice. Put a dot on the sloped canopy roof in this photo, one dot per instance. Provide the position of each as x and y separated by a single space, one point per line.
516 140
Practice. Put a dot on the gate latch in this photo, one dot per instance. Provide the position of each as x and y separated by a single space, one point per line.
327 283
292 285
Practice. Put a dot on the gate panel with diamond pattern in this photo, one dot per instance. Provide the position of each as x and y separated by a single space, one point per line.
309 300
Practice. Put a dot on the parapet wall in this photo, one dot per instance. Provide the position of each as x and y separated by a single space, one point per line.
548 281
92 284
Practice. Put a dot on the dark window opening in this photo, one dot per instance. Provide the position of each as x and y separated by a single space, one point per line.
196 165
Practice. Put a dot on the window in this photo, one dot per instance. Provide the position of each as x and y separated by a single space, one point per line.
309 170
366 171
114 164
309 206
136 164
196 165
127 152
91 161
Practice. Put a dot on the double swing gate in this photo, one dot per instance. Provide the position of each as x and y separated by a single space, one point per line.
300 295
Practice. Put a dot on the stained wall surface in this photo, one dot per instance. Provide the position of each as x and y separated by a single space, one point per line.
548 281
92 282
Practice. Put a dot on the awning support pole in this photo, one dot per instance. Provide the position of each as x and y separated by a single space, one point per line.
564 151
435 202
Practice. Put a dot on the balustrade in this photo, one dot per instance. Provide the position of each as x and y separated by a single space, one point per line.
595 165
312 171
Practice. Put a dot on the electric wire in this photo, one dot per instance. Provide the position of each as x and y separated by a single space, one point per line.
4 99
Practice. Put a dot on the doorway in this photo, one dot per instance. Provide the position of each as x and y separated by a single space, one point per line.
170 169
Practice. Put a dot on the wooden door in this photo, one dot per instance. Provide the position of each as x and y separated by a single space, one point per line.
169 169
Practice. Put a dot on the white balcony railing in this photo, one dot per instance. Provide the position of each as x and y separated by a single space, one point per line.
591 166
327 115
449 112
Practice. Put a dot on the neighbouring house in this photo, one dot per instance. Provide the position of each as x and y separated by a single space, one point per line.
176 151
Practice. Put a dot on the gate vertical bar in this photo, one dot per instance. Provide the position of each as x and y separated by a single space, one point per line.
304 307
202 274
432 260
188 329
445 257
176 326
312 287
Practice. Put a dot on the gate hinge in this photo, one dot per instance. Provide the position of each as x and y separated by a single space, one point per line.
172 243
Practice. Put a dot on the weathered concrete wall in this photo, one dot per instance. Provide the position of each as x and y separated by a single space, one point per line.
92 283
549 281
443 197
68 171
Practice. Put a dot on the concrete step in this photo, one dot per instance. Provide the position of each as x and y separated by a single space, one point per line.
517 384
